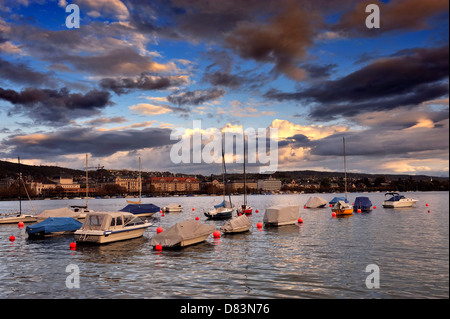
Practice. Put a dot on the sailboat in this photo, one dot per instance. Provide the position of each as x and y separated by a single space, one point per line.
343 208
245 208
17 217
225 209
136 207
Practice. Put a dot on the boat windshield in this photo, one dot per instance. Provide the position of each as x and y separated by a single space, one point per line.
94 220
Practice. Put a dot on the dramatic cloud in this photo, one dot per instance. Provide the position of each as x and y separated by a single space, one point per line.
195 97
84 140
20 73
47 106
144 82
408 78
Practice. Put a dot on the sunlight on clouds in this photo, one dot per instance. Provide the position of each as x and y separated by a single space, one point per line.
149 109
287 129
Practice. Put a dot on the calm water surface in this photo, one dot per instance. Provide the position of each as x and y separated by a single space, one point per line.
324 257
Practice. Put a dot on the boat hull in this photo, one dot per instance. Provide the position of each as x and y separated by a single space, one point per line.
103 237
343 212
219 215
193 241
399 204
237 230
17 219
276 224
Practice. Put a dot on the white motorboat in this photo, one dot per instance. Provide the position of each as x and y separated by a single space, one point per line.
398 201
237 225
106 227
173 208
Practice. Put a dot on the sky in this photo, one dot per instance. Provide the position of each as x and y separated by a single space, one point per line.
135 72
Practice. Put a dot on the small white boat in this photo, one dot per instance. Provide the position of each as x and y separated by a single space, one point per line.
183 234
18 217
173 208
398 201
237 225
107 227
281 215
316 202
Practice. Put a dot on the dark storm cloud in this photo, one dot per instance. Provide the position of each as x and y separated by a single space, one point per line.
383 84
83 140
143 82
196 97
58 107
21 73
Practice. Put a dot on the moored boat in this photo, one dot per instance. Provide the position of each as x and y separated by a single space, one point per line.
173 208
223 210
106 227
362 203
141 210
183 234
315 202
398 201
53 226
342 208
281 215
237 225
18 217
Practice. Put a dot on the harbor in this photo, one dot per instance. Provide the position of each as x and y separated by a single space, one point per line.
321 258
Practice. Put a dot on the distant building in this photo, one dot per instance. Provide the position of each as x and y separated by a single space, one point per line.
174 184
66 182
239 185
129 183
269 185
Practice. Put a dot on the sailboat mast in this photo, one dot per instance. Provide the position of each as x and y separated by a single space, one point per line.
345 169
87 182
20 180
225 177
140 180
245 179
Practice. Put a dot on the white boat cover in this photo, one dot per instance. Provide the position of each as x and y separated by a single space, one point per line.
173 205
58 212
236 223
181 231
281 214
314 202
342 205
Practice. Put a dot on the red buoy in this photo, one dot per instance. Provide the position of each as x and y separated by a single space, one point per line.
193 209
158 247
374 207
160 211
256 211
359 210
300 220
159 230
259 225
73 245
427 205
12 238
304 207
331 205
20 224
428 210
162 215
333 214
196 218
216 234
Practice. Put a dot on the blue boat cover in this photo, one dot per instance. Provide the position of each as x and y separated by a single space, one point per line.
362 202
140 208
337 199
220 205
53 225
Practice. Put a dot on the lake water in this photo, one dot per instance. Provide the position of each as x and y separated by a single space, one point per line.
324 257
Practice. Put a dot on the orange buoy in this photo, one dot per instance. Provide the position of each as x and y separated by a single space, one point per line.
158 247
160 211
73 245
259 225
333 214
300 220
12 238
20 224
216 234
159 230
196 218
